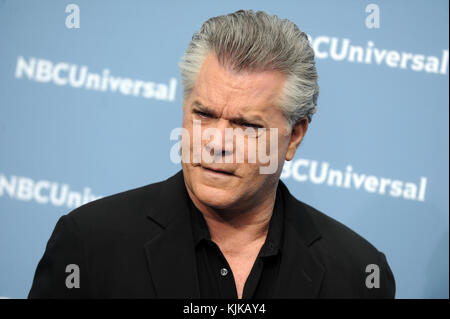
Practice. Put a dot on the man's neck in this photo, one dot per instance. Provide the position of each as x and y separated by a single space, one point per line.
235 229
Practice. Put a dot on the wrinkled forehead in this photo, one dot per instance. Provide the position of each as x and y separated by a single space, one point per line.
228 91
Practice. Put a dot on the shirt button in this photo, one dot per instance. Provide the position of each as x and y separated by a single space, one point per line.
223 272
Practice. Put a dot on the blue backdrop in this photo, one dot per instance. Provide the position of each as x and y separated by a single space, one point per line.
87 112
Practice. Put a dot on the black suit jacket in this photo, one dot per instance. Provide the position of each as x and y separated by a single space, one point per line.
138 244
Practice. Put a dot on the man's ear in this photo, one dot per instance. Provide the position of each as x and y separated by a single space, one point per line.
298 132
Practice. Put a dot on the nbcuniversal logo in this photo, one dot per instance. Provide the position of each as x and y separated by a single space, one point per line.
62 74
44 192
305 170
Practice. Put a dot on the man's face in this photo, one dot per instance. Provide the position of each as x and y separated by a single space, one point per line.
224 99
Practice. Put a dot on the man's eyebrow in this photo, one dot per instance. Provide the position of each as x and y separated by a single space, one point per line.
254 119
203 108
247 118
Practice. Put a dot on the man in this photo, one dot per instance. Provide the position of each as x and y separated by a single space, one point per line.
221 228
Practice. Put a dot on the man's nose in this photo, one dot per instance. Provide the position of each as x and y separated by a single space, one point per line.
222 143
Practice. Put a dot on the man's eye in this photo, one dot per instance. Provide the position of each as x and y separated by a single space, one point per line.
202 114
252 125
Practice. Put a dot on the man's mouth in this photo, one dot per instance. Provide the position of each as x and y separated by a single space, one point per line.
218 171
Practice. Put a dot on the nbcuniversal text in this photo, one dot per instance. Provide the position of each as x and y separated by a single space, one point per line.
300 170
235 146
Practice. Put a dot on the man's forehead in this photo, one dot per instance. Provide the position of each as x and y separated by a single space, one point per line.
232 112
234 105
235 111
220 84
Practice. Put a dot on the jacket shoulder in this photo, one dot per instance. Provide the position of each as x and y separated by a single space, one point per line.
348 259
123 209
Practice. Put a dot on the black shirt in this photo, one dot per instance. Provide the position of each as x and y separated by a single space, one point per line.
213 271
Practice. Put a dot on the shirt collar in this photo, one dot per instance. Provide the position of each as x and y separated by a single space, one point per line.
272 244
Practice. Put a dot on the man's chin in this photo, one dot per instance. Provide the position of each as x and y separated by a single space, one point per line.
215 197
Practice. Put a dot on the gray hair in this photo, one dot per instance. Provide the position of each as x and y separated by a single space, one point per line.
256 41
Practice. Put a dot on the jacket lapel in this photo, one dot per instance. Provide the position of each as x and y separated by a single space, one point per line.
300 273
170 254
